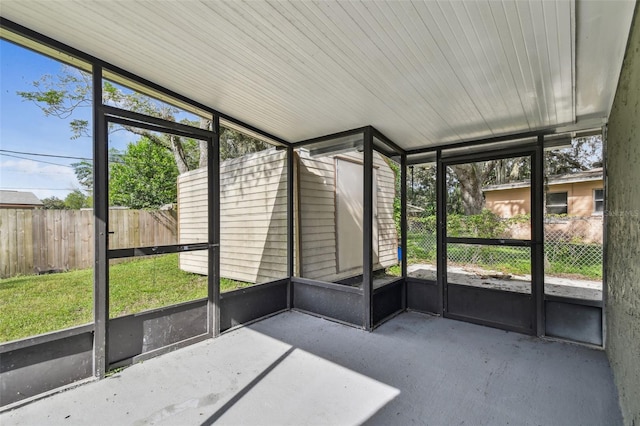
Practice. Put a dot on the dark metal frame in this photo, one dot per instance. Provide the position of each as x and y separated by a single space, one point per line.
288 293
48 41
478 142
213 272
325 293
390 299
441 247
367 230
173 314
494 309
101 228
537 235
102 115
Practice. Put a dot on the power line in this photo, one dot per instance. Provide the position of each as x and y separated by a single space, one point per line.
26 172
46 155
113 161
40 189
37 161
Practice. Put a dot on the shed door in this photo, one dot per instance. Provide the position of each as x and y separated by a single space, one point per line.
349 214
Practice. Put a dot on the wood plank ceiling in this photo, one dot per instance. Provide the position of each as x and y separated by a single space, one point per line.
422 72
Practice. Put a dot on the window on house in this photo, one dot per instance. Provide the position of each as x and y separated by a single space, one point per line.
598 201
557 203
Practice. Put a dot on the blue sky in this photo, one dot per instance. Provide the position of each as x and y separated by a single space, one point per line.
25 128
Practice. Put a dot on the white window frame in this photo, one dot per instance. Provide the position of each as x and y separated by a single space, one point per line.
595 201
566 204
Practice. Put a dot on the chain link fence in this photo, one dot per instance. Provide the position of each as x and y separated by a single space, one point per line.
573 248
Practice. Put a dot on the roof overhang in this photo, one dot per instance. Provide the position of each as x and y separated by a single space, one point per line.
423 73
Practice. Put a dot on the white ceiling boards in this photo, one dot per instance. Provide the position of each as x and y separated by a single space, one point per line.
422 72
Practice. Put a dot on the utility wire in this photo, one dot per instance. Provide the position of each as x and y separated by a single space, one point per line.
37 161
46 155
55 164
42 189
53 173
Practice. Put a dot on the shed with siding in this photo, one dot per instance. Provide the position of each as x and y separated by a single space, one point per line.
253 217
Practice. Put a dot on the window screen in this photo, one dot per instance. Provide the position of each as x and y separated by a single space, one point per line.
598 200
557 203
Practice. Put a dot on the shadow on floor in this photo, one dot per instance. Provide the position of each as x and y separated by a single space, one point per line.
297 369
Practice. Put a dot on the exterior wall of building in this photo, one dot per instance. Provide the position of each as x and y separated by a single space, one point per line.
579 196
622 270
508 202
511 202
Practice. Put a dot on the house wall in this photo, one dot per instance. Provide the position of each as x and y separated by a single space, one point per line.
579 196
508 202
511 202
622 272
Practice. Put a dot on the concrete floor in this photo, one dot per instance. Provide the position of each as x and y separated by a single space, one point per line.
295 369
478 277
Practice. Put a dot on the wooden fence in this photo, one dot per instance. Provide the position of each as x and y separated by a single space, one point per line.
38 241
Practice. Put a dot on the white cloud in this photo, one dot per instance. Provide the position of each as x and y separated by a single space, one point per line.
44 180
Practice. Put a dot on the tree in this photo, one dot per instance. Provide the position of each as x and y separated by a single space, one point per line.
84 169
53 203
583 154
471 177
76 200
145 178
62 94
465 181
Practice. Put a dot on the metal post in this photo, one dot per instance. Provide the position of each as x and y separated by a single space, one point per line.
367 230
537 218
290 218
101 229
441 232
403 222
213 172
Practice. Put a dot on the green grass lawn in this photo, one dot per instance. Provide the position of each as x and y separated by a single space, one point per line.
582 261
36 304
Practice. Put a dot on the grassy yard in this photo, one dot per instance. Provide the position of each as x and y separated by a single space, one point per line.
582 261
36 304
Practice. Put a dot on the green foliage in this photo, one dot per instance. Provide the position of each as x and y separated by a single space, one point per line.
61 94
512 260
397 201
53 203
36 304
484 225
145 178
421 247
76 200
583 154
234 144
84 174
421 188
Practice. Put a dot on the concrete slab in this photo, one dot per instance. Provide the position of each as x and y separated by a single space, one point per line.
297 369
476 277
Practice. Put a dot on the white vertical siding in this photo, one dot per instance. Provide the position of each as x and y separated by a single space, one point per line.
422 72
318 221
253 217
